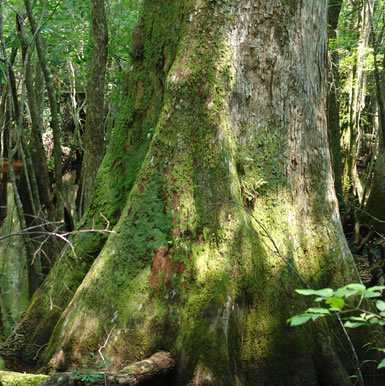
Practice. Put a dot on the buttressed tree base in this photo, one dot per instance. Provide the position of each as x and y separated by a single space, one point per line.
218 184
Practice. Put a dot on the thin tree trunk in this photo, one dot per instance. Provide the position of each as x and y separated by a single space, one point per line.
358 98
375 207
33 277
38 152
333 99
54 111
95 119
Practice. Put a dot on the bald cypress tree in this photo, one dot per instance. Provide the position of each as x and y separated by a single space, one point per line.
218 184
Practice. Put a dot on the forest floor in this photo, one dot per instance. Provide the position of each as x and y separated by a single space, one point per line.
368 249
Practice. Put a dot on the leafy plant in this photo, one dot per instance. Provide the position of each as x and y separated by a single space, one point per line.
347 301
91 369
88 377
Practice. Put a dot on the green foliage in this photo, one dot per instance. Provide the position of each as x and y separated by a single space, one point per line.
91 369
88 377
260 162
345 301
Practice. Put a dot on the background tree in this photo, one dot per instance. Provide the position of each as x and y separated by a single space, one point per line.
95 121
66 44
375 208
334 97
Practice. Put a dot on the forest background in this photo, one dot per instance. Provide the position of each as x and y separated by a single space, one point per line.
62 94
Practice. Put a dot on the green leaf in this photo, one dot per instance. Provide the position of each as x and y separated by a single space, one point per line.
377 288
335 303
350 324
357 318
380 304
318 310
381 364
372 294
357 287
245 158
325 292
345 292
297 320
369 361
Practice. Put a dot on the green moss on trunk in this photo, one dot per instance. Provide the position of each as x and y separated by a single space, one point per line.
201 182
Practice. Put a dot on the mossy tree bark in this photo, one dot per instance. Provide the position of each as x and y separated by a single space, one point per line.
218 183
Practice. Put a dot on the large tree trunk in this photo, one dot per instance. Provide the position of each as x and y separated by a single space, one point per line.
220 175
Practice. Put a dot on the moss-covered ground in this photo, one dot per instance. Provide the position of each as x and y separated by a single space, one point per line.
9 378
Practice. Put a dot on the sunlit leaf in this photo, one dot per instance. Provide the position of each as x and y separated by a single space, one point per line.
357 287
350 324
318 310
335 302
325 292
345 292
380 304
372 294
381 364
377 288
299 319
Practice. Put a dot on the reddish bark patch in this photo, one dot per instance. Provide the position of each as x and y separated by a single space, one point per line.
175 200
140 188
127 147
139 92
116 162
163 267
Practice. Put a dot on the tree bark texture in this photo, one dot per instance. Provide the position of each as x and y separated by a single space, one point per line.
374 214
218 178
359 81
333 105
94 133
53 108
37 150
375 208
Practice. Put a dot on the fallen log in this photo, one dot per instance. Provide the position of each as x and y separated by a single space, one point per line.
153 369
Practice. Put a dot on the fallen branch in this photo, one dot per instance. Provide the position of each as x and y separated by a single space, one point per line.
139 373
